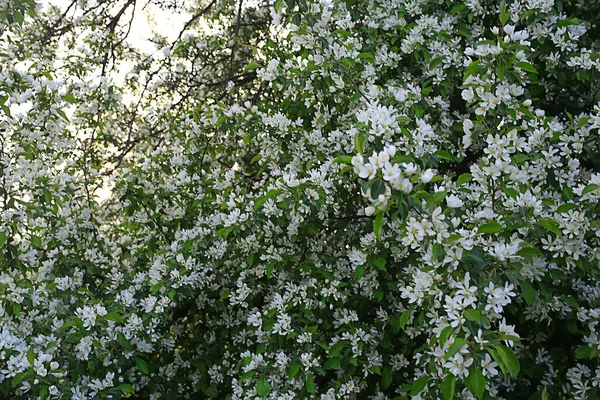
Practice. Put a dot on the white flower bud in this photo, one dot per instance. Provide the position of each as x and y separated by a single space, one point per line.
427 176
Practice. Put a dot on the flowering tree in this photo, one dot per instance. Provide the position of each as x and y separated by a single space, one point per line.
375 199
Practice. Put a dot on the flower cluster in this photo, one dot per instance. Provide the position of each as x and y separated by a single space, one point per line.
301 199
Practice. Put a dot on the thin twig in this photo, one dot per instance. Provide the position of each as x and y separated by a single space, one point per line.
193 19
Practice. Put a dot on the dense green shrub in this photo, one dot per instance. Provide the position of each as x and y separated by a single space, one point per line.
306 199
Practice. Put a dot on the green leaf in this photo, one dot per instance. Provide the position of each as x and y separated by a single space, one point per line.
247 375
156 288
500 69
380 263
359 142
377 188
525 66
496 356
458 8
566 208
270 194
473 315
472 69
51 345
570 301
458 344
3 237
395 323
263 388
375 370
463 29
310 383
333 351
475 382
123 340
447 387
222 119
294 369
31 356
113 316
550 225
74 322
445 334
377 225
404 317
386 378
251 66
582 352
18 17
225 295
361 270
332 363
419 385
545 393
16 308
589 188
142 365
343 160
509 358
36 241
444 155
269 269
366 56
490 227
436 198
528 292
530 252
224 231
436 252
520 158
567 22
525 111
463 178
69 98
435 62
126 388
18 378
342 32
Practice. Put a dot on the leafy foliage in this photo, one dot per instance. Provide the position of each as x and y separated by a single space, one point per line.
302 199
